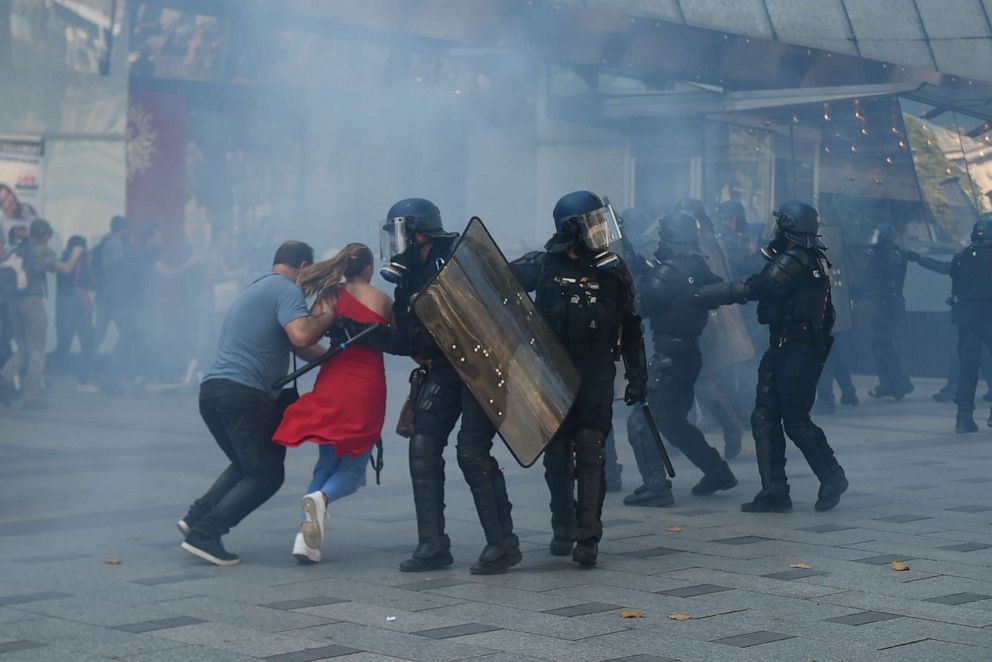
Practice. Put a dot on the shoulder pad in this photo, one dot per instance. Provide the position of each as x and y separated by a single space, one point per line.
622 272
786 266
534 257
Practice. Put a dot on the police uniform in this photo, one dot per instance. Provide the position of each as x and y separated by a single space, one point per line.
971 298
442 398
591 311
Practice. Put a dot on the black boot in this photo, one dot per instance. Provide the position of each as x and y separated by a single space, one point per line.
830 491
427 473
723 479
559 473
585 552
769 447
590 488
731 443
488 487
849 397
965 423
651 497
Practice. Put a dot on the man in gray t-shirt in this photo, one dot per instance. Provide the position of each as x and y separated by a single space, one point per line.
29 320
265 323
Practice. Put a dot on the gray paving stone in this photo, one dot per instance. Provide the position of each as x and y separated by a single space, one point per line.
430 584
863 618
7 600
183 653
51 558
826 528
901 519
555 566
694 591
741 540
966 547
651 552
303 603
160 624
582 610
696 512
795 573
884 559
309 655
19 645
959 598
642 657
169 579
621 522
752 639
399 644
455 631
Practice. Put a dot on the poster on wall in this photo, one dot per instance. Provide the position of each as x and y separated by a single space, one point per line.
21 163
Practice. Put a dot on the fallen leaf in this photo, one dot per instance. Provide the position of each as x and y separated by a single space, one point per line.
113 560
799 566
679 617
899 566
674 529
631 613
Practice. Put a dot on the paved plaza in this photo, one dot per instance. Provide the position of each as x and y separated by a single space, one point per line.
90 565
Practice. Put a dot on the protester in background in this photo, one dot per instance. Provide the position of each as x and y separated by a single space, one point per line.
110 278
266 321
74 313
29 318
222 279
345 410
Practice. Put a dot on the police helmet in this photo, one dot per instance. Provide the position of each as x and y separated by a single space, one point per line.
982 232
884 233
799 223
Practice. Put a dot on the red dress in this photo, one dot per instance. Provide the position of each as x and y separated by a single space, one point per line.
347 405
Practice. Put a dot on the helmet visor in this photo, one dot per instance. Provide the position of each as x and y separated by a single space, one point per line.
599 229
393 239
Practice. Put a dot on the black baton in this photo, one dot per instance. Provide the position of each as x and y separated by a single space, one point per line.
337 349
657 439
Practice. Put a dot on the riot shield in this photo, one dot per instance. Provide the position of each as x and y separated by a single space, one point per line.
725 341
489 329
833 239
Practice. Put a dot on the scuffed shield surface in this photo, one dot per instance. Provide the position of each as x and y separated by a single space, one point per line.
725 341
833 239
504 351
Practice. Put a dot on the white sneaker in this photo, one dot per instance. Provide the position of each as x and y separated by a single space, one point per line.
303 552
183 527
314 510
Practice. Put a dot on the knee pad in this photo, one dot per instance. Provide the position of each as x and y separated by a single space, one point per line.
425 454
762 422
473 460
589 445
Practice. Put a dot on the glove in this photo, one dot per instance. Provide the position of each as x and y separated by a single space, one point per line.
636 391
912 256
738 291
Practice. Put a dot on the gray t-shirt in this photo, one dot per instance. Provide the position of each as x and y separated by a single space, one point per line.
254 349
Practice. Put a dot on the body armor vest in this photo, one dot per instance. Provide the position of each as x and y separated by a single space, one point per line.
806 300
666 298
972 273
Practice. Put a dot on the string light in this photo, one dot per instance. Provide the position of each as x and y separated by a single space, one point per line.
902 144
854 148
864 131
888 160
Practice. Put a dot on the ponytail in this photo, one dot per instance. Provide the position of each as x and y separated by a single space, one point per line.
323 278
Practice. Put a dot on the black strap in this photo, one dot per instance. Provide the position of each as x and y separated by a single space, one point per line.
377 461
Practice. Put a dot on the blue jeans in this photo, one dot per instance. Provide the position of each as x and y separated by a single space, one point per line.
337 477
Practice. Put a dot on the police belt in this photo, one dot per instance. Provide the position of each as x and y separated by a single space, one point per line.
803 332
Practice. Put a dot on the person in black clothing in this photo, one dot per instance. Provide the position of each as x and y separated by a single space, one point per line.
971 310
881 288
416 247
835 370
677 320
74 311
793 295
586 294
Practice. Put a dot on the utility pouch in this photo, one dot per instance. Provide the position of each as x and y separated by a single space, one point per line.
404 427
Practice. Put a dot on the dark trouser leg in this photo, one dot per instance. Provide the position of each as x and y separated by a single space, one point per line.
671 399
797 372
969 354
646 454
485 480
559 474
436 412
210 412
247 419
590 479
825 385
891 376
769 438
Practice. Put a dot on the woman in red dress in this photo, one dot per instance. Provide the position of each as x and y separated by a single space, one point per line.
344 412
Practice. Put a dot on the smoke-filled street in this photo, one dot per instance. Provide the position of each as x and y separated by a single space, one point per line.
83 494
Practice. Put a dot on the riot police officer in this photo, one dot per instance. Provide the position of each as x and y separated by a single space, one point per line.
881 288
793 295
416 247
971 310
586 294
677 320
